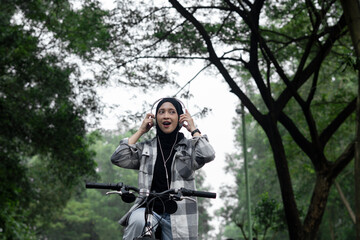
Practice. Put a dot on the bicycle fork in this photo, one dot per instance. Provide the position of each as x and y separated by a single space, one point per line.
148 232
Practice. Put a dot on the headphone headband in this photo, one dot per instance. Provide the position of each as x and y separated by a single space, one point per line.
159 100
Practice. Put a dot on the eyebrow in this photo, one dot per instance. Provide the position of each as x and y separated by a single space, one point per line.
169 108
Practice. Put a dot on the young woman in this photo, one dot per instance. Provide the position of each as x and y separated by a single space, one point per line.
166 161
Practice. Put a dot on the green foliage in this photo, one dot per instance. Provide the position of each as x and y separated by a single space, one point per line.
231 231
43 109
15 227
84 29
92 214
268 215
203 205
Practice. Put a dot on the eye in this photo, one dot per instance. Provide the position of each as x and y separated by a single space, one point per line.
172 112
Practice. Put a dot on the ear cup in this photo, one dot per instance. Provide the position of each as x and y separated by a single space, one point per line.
154 122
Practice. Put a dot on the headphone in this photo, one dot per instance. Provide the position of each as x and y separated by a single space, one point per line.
159 100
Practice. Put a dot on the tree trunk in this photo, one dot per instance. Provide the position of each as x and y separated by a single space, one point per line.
352 13
317 207
357 162
291 212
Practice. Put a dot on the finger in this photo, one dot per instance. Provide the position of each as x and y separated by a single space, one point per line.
150 115
182 117
149 124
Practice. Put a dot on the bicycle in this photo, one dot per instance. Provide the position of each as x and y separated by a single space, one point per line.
129 194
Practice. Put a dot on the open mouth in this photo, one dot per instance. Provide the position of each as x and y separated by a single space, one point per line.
166 123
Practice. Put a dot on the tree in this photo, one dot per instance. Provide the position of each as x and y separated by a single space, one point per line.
265 190
352 13
44 104
289 52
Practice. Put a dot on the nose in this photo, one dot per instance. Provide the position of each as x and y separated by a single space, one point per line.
166 115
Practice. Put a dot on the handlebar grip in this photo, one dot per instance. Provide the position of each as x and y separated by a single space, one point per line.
104 186
188 192
204 194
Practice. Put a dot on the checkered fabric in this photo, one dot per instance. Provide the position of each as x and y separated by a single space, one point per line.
190 155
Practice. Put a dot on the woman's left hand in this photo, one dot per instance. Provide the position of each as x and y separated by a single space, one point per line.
186 117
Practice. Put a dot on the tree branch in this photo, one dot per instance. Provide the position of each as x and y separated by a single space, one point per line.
335 33
345 201
343 160
252 20
191 80
298 137
336 123
216 61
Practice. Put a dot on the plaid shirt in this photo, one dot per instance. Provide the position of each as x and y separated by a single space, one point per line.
190 155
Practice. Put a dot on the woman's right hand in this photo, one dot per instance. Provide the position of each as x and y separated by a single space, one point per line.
147 123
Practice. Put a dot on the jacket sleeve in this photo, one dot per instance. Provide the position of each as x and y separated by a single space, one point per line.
127 155
203 151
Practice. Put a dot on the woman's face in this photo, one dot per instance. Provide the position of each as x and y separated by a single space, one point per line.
167 117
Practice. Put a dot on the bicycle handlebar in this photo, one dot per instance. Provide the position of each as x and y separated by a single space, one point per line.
112 186
169 206
121 186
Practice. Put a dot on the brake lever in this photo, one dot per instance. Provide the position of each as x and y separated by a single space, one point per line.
114 192
188 198
179 197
